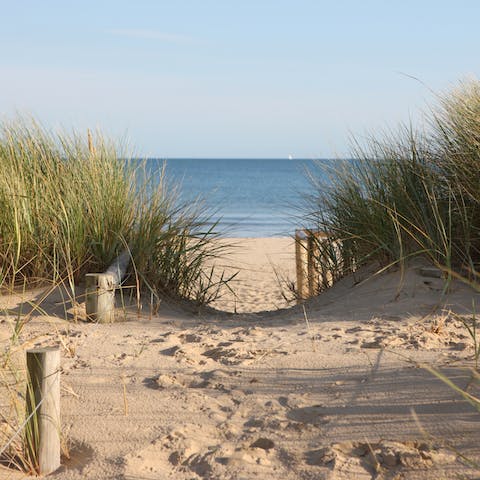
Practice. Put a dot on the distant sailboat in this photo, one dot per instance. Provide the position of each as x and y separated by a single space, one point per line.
290 157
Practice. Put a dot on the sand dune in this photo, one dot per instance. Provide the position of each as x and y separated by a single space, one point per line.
267 395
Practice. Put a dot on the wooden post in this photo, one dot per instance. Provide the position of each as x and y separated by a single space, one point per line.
100 297
321 263
300 249
43 428
100 290
313 252
311 264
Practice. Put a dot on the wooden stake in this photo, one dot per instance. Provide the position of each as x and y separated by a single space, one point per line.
100 289
100 297
313 252
300 264
43 408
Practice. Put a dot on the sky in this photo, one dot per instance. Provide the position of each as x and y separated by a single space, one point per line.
244 78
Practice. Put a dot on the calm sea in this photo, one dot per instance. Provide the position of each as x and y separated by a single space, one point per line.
250 198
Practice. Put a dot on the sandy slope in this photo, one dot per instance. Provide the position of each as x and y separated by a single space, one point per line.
264 267
268 395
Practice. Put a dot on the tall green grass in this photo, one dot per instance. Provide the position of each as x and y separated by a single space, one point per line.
69 204
409 192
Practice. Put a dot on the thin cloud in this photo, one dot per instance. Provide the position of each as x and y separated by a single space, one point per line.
151 35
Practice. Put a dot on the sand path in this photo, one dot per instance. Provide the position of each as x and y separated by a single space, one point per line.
217 396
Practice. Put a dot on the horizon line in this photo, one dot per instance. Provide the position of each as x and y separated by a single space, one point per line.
241 158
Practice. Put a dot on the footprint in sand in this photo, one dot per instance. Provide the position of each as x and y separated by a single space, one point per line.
311 415
248 457
186 449
219 379
79 456
229 353
180 354
170 380
190 338
368 460
171 351
214 379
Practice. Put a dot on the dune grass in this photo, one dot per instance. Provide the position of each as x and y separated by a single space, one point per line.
72 203
409 192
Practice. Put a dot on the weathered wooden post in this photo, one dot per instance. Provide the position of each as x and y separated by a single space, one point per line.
100 297
313 252
300 249
312 266
43 409
100 290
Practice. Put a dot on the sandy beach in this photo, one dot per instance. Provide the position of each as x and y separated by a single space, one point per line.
265 267
334 389
240 240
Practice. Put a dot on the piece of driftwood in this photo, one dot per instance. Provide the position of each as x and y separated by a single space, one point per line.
100 290
43 408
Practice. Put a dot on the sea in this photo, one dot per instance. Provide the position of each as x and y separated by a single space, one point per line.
247 197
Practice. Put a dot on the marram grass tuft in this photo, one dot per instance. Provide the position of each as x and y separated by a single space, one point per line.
411 192
71 203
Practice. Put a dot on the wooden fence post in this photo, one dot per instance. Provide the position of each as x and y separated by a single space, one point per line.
43 427
300 249
313 273
100 297
313 252
100 289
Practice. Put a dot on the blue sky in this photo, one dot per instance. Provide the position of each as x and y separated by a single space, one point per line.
233 78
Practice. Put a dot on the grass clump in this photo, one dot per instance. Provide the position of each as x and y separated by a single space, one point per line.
71 204
408 193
